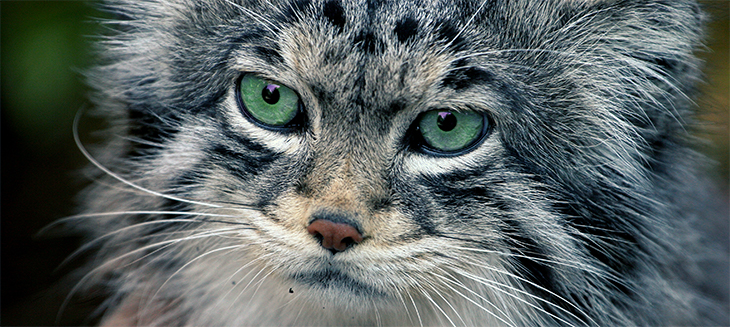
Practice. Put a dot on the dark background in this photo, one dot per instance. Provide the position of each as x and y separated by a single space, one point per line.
43 47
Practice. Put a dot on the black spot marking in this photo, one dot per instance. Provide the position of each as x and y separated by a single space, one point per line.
380 203
406 29
462 78
448 33
303 189
334 12
395 107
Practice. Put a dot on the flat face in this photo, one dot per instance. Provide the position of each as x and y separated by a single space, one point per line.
492 161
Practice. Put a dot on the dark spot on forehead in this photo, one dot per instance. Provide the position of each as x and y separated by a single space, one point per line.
406 29
334 13
448 32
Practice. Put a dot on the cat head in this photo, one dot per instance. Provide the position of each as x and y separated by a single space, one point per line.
365 151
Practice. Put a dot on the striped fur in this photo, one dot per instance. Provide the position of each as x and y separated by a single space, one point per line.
578 208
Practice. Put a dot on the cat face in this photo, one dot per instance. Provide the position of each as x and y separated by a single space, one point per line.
352 149
489 162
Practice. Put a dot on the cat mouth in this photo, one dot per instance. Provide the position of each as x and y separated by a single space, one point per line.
335 280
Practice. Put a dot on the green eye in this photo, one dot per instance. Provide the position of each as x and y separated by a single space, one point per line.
268 103
448 131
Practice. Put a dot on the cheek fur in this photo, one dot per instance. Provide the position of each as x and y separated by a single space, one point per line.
581 206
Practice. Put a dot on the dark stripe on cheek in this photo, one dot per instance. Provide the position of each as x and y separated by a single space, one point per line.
525 250
247 143
529 261
413 205
189 180
239 164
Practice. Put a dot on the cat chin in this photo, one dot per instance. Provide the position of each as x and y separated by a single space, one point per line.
335 284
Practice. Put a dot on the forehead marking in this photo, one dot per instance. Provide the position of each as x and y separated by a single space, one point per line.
461 78
448 32
406 29
334 12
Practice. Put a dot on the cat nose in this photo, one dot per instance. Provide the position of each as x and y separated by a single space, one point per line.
335 237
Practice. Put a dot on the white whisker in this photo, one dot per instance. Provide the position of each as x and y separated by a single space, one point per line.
133 212
399 294
493 285
101 167
232 247
458 283
265 23
435 305
377 314
90 244
415 307
430 285
506 273
576 265
247 285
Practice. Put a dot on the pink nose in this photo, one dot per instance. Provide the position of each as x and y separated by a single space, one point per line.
334 236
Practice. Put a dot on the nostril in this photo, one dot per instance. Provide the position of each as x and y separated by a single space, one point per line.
319 237
348 241
334 236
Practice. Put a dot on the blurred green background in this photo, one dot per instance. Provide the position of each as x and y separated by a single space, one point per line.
43 47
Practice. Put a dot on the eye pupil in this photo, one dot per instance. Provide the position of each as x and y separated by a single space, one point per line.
270 93
446 132
446 121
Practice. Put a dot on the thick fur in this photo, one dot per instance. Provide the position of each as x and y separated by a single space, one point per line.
579 207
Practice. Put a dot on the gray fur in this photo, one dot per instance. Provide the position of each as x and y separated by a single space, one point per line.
579 208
